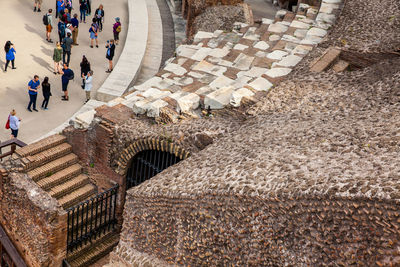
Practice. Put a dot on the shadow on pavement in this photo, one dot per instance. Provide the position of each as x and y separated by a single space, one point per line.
42 62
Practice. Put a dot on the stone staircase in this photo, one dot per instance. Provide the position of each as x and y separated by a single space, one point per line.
52 165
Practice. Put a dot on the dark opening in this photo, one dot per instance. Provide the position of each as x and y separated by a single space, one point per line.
147 164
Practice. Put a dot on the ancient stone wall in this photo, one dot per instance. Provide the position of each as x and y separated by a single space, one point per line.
35 223
240 230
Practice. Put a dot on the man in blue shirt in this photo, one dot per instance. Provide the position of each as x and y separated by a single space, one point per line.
67 75
75 26
33 87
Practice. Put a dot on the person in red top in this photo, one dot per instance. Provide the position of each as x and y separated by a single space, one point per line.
116 30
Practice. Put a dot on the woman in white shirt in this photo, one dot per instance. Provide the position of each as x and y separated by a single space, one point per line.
88 84
14 124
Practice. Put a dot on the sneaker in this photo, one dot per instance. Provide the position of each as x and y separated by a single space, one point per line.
108 71
39 10
36 110
64 99
50 41
46 109
97 46
13 68
91 46
30 110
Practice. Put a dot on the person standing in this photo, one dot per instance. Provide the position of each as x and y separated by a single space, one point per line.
83 9
75 29
89 7
46 92
110 54
60 8
67 75
37 4
33 87
117 27
10 54
57 54
61 29
99 15
67 43
88 79
93 33
85 68
14 123
48 18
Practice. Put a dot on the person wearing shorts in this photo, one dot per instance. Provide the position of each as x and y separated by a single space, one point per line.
38 4
49 26
67 75
94 28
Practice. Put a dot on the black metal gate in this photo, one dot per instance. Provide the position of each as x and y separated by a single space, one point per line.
147 164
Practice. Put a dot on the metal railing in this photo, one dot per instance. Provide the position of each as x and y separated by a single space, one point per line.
13 143
9 255
91 218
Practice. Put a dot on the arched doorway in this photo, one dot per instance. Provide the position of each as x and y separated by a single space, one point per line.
148 163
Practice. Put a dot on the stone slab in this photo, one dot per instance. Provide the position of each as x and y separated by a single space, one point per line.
219 98
261 84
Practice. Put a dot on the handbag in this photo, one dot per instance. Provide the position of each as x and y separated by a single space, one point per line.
8 123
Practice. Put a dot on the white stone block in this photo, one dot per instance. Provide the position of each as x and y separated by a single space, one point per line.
219 52
300 33
253 72
326 18
274 37
290 46
301 50
237 96
280 13
153 109
240 47
188 102
241 81
148 84
140 107
196 75
278 72
261 45
328 8
210 68
289 61
202 35
267 21
221 81
201 54
261 84
154 93
186 50
277 28
243 62
289 38
299 24
311 40
277 54
332 1
251 35
175 69
219 98
317 32
217 33
83 120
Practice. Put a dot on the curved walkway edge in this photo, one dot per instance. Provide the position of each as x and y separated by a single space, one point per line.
130 61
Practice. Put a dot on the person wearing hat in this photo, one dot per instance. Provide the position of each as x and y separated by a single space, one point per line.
10 51
117 29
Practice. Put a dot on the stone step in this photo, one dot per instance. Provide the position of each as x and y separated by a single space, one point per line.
93 251
47 155
340 66
77 196
69 186
53 167
41 145
60 177
327 59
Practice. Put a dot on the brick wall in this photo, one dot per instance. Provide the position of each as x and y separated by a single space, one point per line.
35 223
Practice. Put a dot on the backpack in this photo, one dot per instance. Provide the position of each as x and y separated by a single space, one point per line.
62 29
118 29
72 76
45 20
8 123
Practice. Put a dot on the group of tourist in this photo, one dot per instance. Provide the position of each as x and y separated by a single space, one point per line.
67 29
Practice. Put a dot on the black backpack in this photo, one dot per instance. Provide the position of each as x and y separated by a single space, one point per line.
45 20
72 76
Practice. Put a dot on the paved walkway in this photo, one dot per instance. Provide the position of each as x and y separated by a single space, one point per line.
262 9
25 29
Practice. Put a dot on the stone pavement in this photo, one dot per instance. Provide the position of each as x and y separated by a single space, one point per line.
34 56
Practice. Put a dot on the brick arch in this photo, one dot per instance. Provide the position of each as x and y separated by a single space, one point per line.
148 144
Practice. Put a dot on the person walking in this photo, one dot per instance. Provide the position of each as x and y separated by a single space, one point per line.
99 15
57 58
117 27
67 75
88 79
14 123
48 22
83 7
93 33
75 29
10 54
33 87
67 43
110 54
37 4
85 68
61 29
46 92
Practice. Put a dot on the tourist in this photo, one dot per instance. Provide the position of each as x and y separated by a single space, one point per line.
75 29
61 29
99 15
48 18
14 123
117 29
60 8
67 75
68 5
66 45
57 58
37 4
83 7
89 7
93 33
85 68
110 54
33 87
46 92
10 54
88 84
66 17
